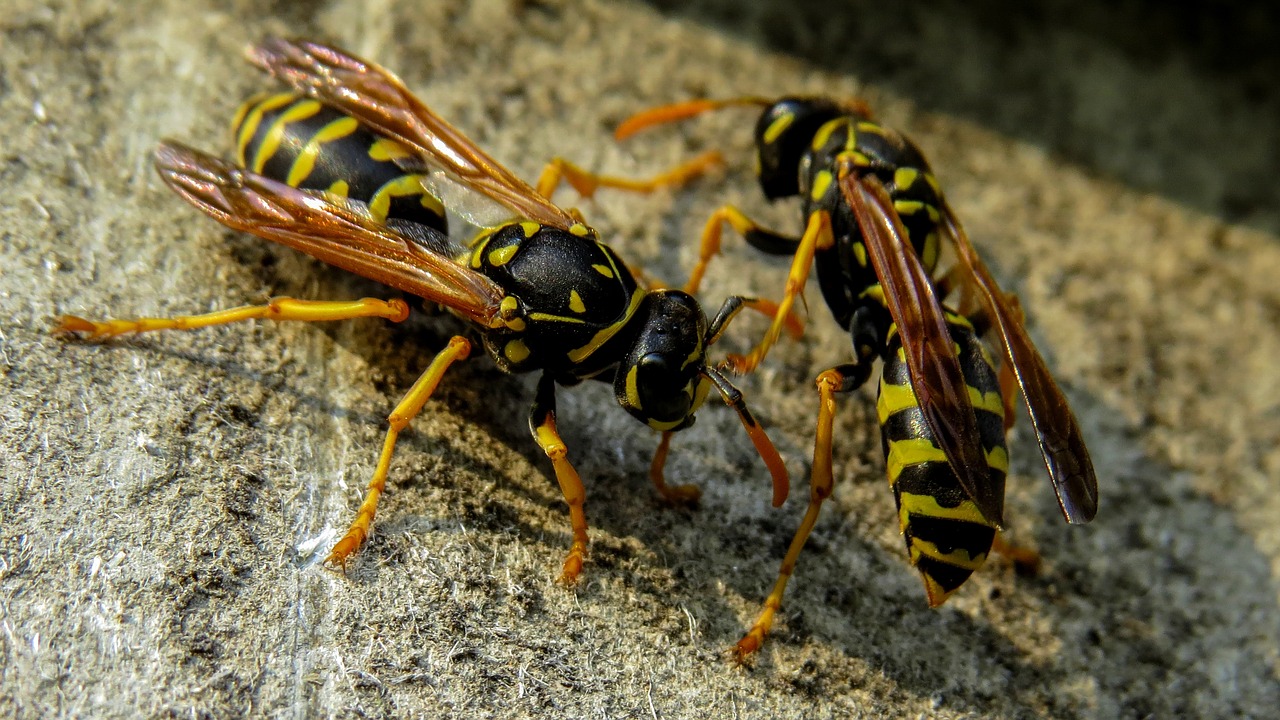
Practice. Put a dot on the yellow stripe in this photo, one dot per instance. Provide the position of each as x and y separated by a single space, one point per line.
894 398
928 506
633 391
340 189
958 557
252 118
306 161
383 150
904 177
998 459
821 184
380 203
906 453
579 354
271 141
603 270
777 127
824 133
989 401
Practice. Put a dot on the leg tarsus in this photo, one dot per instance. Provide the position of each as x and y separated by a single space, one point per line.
674 494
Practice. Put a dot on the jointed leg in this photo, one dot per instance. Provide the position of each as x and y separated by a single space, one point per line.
817 235
410 405
542 423
276 309
829 383
586 183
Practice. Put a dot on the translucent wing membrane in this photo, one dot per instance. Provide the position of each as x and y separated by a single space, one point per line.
338 235
375 97
1059 435
936 377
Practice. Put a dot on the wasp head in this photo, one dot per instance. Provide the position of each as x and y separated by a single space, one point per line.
661 380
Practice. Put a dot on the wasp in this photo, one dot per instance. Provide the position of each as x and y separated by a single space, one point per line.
351 168
875 220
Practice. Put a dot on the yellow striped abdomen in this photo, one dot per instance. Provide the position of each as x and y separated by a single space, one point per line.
297 141
947 537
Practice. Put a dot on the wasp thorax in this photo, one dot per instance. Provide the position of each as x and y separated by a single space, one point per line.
783 135
658 378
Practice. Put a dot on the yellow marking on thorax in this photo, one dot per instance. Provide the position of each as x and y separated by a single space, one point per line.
579 230
604 270
306 160
821 184
777 127
825 132
579 354
530 228
248 122
869 127
405 185
516 351
384 150
907 453
929 251
575 302
502 255
271 140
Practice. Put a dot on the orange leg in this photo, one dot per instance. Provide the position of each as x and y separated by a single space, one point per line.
1025 560
276 309
681 494
820 484
676 112
817 235
542 423
586 183
408 408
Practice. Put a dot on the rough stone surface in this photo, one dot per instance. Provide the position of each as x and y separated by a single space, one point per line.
165 499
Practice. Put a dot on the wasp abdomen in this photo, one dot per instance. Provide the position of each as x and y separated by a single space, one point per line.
947 537
299 141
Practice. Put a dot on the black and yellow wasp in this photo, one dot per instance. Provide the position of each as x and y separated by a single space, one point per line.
875 219
351 168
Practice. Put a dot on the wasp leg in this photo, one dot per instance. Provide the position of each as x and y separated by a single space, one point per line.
836 380
817 236
1025 560
542 423
586 183
675 494
276 309
408 408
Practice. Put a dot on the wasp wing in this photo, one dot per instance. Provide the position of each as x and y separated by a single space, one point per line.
1057 432
936 378
340 236
378 99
